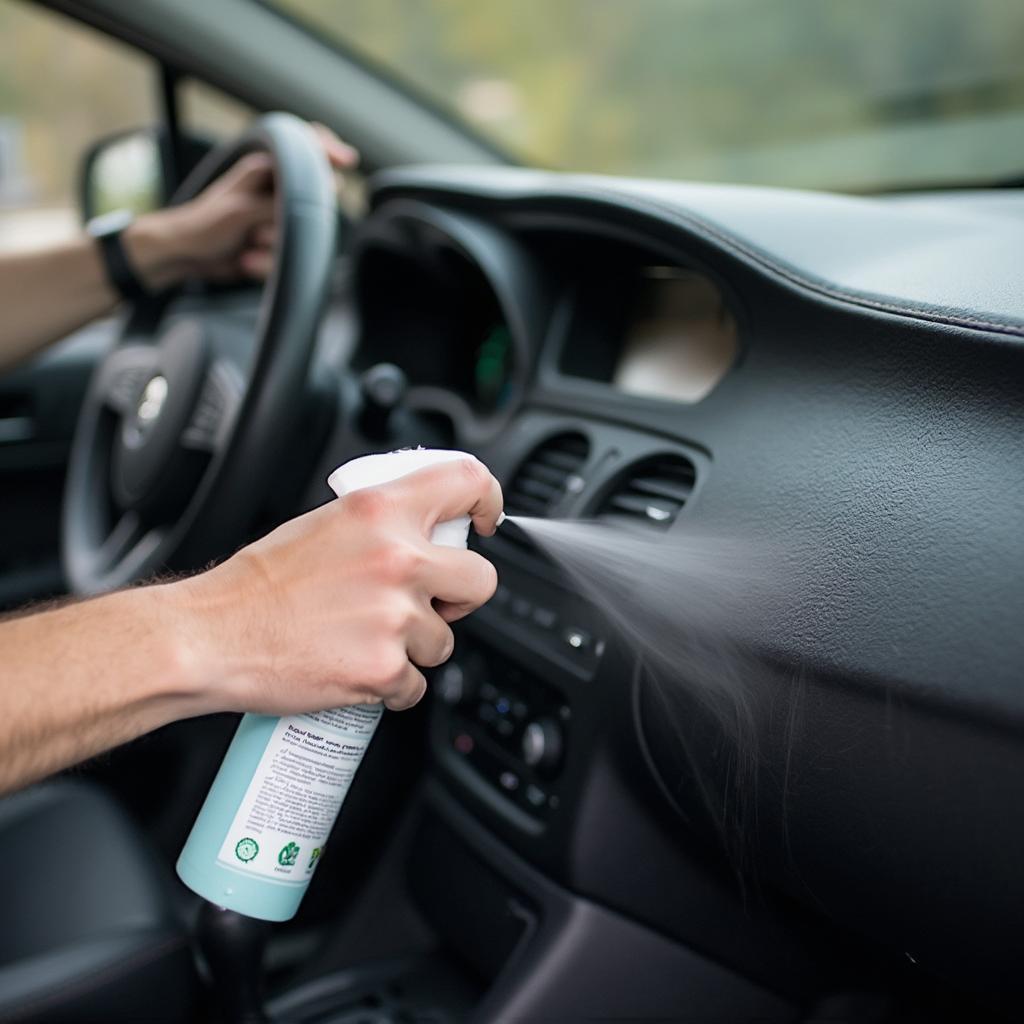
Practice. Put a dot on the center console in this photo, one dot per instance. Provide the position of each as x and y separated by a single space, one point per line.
503 726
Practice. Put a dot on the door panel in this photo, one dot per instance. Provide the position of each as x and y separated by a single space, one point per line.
39 404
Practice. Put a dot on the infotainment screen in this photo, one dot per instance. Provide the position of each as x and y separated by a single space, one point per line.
680 337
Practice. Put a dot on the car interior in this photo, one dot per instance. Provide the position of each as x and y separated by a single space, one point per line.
546 837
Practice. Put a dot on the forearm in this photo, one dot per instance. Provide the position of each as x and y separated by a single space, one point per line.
87 677
227 232
339 606
48 294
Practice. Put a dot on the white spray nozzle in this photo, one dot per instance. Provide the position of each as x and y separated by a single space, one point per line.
374 470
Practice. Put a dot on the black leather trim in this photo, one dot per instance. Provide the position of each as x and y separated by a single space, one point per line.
89 932
108 978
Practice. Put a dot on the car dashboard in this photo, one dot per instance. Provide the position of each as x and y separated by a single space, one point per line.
838 380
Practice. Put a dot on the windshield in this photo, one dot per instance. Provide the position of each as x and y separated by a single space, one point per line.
863 95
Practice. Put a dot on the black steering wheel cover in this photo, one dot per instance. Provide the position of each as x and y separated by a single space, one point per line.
291 309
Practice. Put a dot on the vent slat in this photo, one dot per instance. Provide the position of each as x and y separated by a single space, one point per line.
541 481
623 522
650 494
653 508
519 502
663 488
545 474
565 461
537 488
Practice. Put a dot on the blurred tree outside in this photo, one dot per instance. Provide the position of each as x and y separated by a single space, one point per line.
827 93
62 86
811 93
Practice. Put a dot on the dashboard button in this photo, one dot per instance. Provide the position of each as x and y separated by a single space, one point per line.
536 796
544 617
542 744
509 781
521 608
578 639
451 683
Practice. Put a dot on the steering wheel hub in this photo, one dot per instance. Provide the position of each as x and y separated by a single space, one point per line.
150 406
150 468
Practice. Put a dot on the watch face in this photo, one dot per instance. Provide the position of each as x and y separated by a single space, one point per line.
108 223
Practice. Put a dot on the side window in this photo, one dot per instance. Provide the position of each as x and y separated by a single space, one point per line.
210 114
62 87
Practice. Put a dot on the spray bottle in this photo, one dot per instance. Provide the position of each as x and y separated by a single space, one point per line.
261 832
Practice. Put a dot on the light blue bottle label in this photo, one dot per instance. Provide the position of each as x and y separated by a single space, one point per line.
281 826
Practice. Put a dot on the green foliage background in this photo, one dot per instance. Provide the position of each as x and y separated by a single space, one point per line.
848 94
64 86
842 93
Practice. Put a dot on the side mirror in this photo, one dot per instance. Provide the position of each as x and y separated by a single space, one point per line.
124 172
133 170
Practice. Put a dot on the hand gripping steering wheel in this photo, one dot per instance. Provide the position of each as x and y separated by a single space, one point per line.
181 428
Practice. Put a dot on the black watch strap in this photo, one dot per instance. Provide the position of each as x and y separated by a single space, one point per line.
107 229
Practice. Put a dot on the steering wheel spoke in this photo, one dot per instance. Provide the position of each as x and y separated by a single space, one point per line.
216 408
130 543
127 532
124 374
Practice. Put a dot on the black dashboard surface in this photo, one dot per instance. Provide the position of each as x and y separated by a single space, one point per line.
954 257
871 428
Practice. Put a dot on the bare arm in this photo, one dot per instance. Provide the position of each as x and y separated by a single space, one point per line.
82 678
336 607
225 232
48 294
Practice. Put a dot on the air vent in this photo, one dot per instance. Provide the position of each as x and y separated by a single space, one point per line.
650 494
549 472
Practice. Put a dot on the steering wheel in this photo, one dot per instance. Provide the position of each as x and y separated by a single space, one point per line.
180 431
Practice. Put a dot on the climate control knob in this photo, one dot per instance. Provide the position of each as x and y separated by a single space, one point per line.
542 744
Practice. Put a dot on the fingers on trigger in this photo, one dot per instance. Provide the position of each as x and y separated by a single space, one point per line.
453 489
462 579
432 642
409 692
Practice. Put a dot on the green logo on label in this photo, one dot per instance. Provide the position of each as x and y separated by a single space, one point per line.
314 857
246 849
289 855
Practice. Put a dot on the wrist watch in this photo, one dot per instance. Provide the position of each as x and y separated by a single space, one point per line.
107 229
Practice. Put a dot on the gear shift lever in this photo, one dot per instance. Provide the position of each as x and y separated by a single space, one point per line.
383 387
233 946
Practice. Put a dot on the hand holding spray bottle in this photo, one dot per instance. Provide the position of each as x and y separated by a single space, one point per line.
262 830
